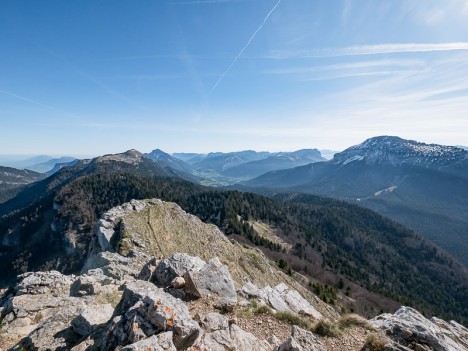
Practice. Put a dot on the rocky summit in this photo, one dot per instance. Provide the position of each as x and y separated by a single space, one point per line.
157 278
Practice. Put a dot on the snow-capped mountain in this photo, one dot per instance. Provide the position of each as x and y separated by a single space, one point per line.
397 151
423 186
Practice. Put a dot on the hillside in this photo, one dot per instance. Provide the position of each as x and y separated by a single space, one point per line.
55 230
138 291
12 180
422 186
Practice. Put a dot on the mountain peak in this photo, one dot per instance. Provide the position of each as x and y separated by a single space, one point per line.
395 150
131 156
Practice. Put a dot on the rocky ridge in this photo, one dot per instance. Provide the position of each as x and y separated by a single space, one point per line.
135 294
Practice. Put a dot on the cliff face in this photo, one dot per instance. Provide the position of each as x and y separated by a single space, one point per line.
157 278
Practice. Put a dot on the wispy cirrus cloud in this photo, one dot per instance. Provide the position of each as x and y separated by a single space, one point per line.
369 50
234 61
37 103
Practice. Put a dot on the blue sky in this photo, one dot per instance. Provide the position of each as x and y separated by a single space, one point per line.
91 77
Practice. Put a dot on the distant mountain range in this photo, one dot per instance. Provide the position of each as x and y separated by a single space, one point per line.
235 166
49 165
422 186
277 161
40 164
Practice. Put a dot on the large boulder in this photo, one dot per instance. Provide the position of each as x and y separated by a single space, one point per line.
90 317
160 342
105 231
222 336
301 340
281 298
409 327
212 279
112 265
175 266
147 310
34 283
54 333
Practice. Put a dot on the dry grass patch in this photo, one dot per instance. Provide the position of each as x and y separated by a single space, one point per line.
375 342
326 328
293 319
354 320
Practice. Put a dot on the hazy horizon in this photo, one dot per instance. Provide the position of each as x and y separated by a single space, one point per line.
88 78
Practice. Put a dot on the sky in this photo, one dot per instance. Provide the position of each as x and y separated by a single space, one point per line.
94 77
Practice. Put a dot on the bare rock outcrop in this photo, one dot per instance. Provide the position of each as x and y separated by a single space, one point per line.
408 327
301 340
160 342
281 298
147 310
220 335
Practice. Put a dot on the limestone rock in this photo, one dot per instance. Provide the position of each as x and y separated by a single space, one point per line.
246 341
160 342
230 338
281 298
407 326
34 283
215 321
112 265
53 334
147 310
213 278
105 231
90 317
175 266
148 270
85 285
301 340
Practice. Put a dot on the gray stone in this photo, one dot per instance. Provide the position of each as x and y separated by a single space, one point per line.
53 334
281 298
148 270
231 338
213 278
244 341
214 321
160 342
250 290
300 305
148 310
175 266
407 326
91 317
105 231
111 264
34 283
301 340
85 285
276 300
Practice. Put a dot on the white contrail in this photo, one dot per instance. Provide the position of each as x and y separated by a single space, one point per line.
221 77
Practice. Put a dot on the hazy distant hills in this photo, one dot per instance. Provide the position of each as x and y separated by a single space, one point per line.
171 161
422 186
49 165
274 162
229 168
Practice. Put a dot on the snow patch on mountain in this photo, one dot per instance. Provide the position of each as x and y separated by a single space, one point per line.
352 159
